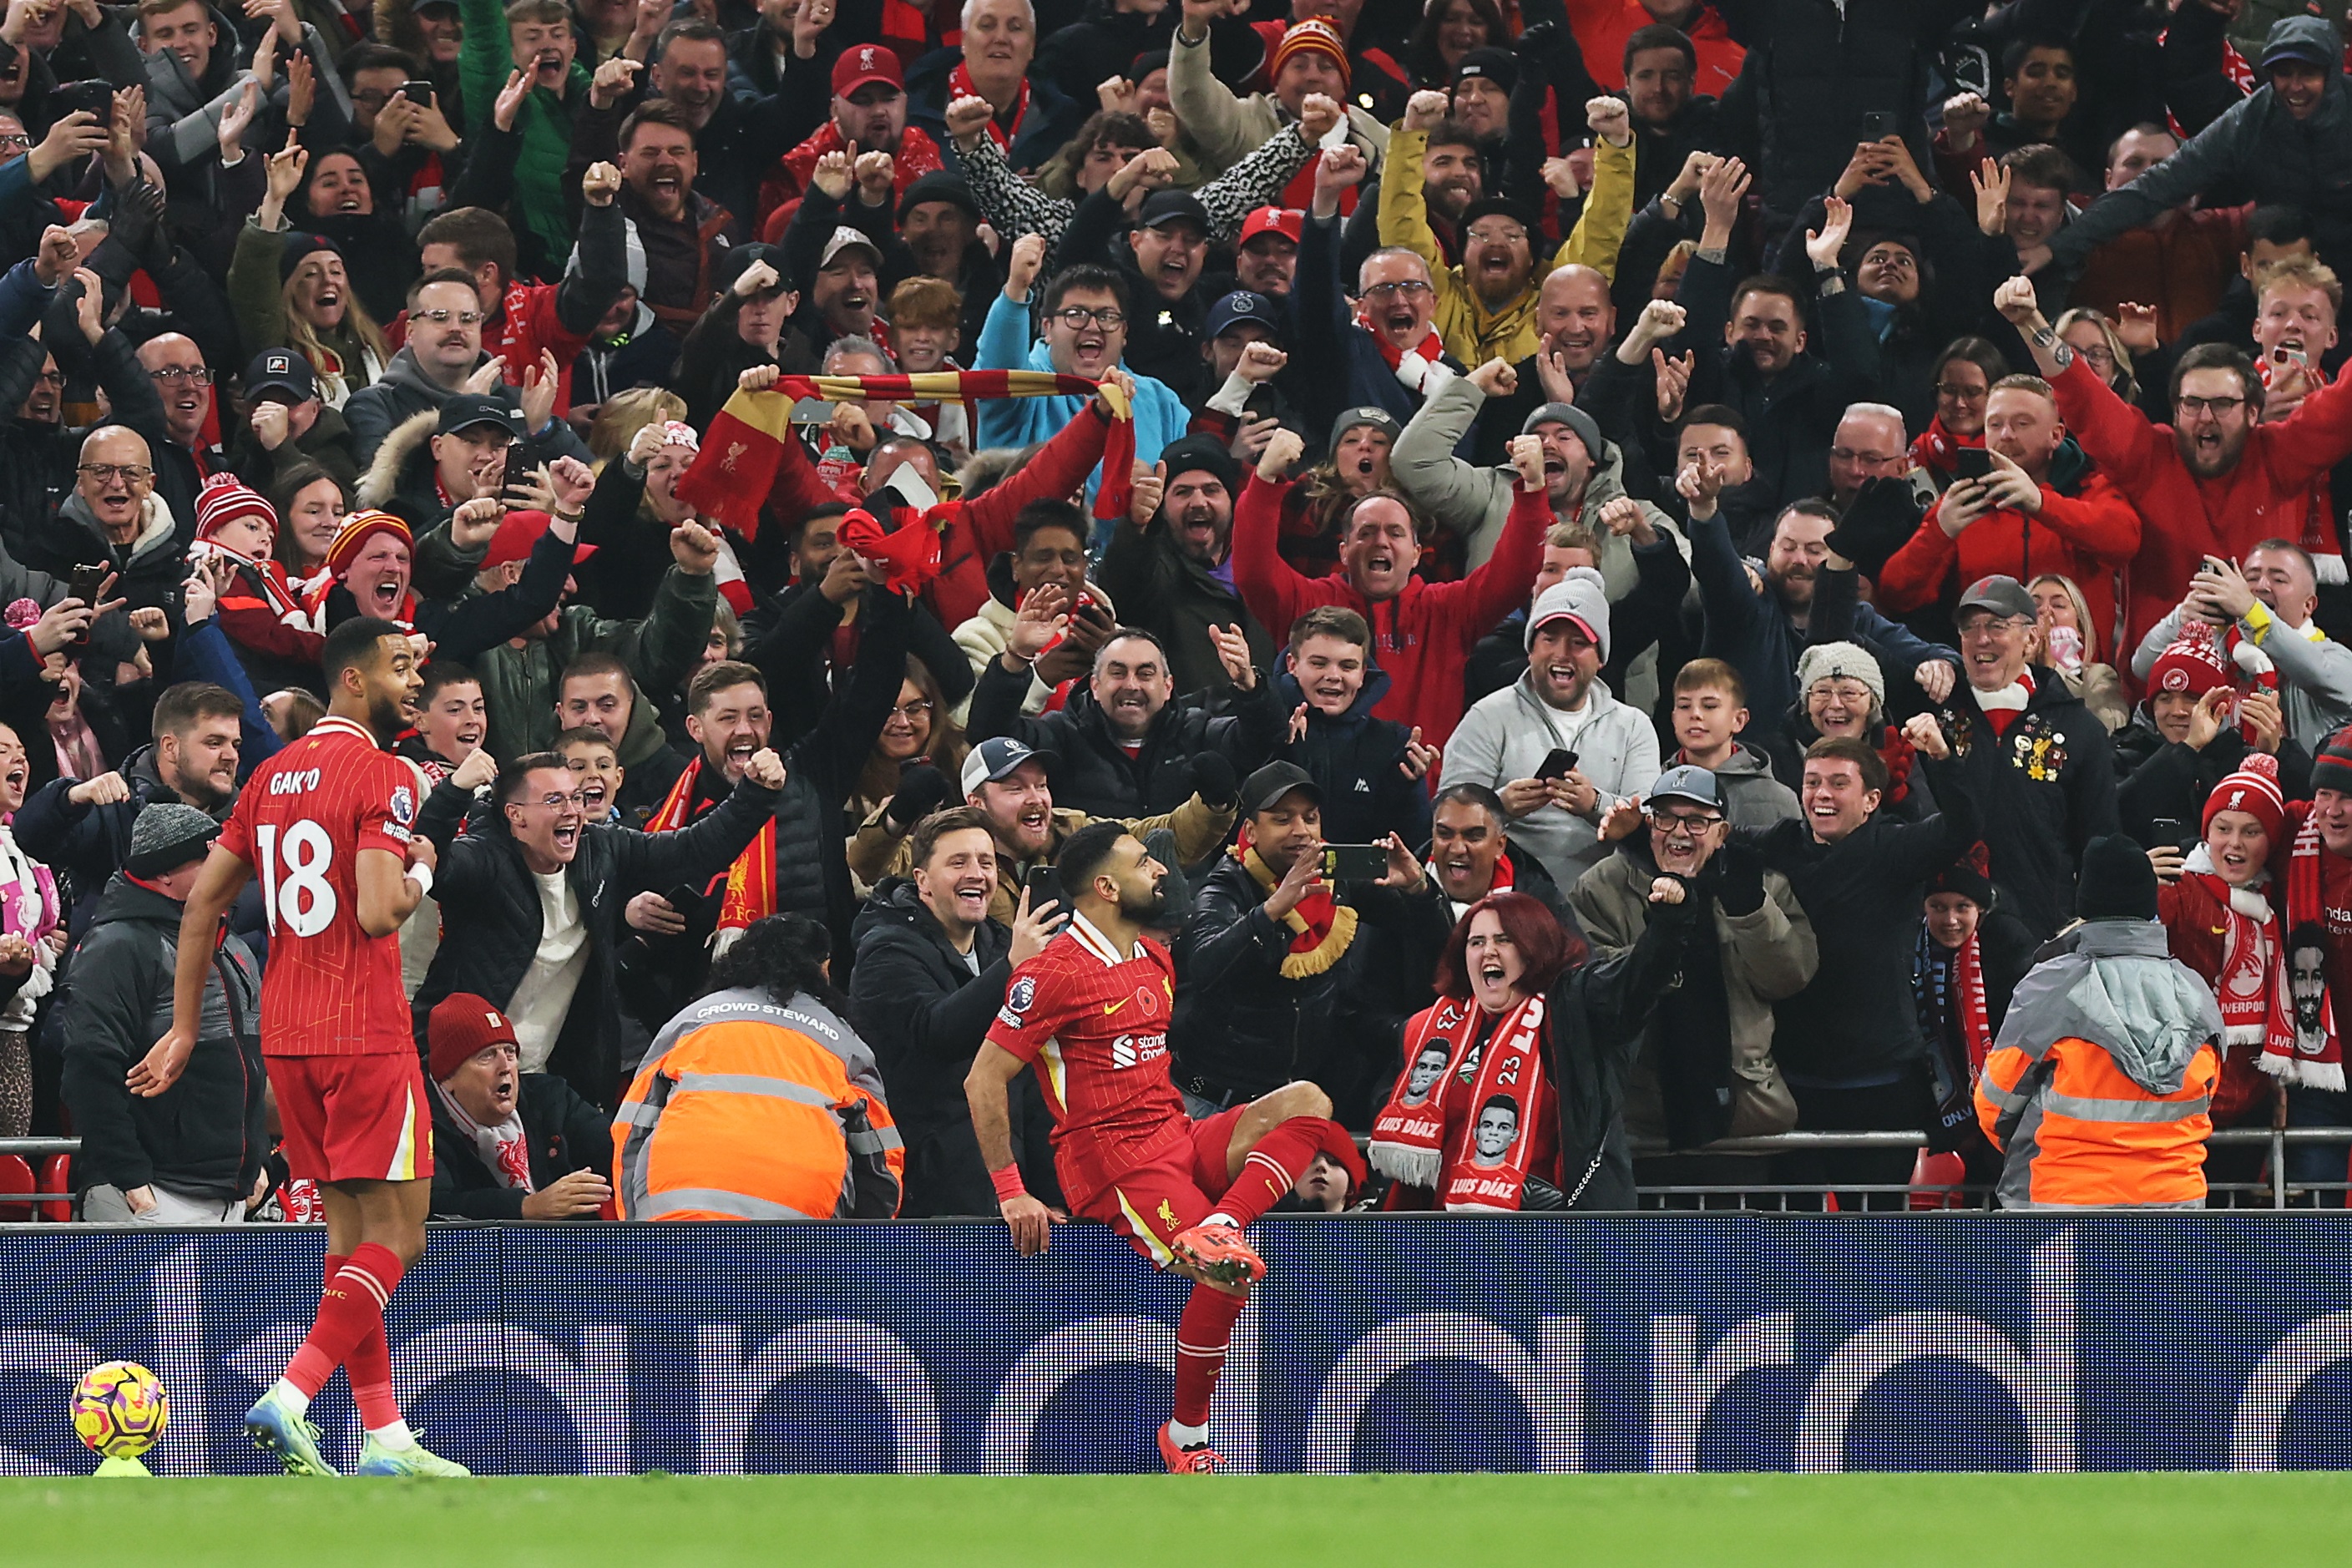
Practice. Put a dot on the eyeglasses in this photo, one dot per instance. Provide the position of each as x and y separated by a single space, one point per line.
911 712
107 473
371 97
1682 825
1958 393
2217 406
1871 460
558 802
49 378
1077 318
16 141
173 375
2097 354
1411 288
443 318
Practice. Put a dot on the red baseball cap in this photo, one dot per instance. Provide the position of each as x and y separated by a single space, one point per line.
518 533
867 62
1287 222
460 1027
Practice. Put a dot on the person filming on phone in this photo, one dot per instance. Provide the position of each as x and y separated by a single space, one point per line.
2264 614
1284 971
1556 745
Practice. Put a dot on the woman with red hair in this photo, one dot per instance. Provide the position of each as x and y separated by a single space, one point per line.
1514 1079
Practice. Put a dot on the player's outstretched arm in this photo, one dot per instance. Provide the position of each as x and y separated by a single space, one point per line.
217 886
994 1069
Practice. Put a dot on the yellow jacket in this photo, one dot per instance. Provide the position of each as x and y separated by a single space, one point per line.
1472 333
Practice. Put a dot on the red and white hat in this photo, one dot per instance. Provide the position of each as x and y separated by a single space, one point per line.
226 499
357 530
2192 663
2253 789
865 63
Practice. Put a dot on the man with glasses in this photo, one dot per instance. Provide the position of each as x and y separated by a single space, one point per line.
1706 1068
443 359
114 517
2036 762
1086 315
177 365
2218 481
532 902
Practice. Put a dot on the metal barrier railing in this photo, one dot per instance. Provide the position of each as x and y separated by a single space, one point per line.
2270 1190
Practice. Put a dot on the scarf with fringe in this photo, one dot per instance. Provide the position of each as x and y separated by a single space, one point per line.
1434 1143
1322 927
2317 1062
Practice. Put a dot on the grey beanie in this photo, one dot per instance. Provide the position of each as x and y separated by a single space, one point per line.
1575 418
166 836
1582 596
1841 661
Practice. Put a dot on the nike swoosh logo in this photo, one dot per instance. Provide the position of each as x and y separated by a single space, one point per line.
1110 1007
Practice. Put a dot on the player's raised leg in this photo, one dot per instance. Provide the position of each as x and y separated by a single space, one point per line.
1271 1141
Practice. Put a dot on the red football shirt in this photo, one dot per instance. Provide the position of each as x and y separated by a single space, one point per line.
1093 1026
331 989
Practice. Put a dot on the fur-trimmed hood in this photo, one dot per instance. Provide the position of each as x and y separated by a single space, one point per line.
387 469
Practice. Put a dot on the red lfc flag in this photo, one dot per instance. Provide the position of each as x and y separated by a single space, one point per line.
736 468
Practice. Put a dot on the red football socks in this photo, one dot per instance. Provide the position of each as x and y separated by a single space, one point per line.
351 1315
1202 1334
1272 1168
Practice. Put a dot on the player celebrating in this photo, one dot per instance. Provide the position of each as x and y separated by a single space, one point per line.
1090 1015
326 822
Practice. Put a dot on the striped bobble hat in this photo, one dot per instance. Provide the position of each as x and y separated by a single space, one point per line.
223 499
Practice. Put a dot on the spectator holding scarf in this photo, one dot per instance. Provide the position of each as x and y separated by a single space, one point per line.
1524 1112
1971 953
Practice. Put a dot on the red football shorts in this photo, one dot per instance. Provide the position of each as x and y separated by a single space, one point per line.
1158 1201
354 1118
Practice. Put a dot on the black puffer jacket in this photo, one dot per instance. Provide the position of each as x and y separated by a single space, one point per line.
204 1136
491 917
1241 1029
1092 772
1354 758
2040 792
563 1132
926 1013
2156 777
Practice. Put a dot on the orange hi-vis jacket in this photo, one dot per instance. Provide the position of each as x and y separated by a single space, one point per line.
749 1107
2100 1087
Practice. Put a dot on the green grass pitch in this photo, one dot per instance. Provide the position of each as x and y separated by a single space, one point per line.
1426 1521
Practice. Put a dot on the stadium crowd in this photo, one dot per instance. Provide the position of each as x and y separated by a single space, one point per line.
1797 549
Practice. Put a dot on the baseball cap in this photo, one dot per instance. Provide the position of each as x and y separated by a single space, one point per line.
281 370
1243 305
865 63
1173 206
2288 43
518 531
1263 788
460 1027
1692 786
845 239
992 760
1287 222
2002 595
468 409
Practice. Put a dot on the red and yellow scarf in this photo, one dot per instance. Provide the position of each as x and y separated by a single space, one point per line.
751 879
730 478
1322 927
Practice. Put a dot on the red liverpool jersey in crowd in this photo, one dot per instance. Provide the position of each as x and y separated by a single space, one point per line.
1094 1028
331 989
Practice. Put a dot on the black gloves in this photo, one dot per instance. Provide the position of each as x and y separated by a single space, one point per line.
1739 876
1213 778
1883 518
921 791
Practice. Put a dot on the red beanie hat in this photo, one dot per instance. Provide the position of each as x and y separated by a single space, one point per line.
1315 33
355 534
2253 789
223 499
2192 663
460 1026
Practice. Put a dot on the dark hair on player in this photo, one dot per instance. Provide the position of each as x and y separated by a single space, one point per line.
354 645
1500 1103
1083 853
940 824
512 777
783 956
179 708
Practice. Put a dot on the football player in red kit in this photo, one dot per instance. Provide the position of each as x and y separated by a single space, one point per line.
1089 1016
326 824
